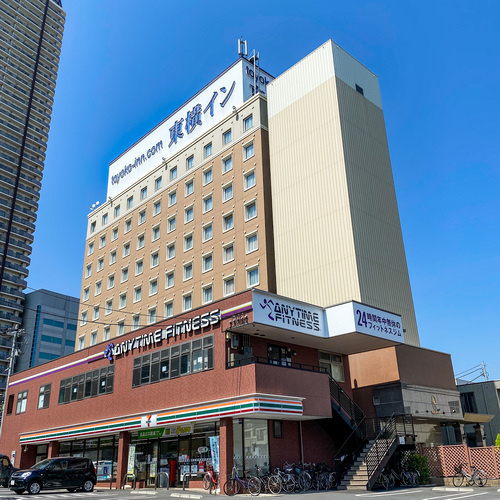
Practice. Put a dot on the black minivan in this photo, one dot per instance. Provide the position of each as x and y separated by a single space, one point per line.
70 473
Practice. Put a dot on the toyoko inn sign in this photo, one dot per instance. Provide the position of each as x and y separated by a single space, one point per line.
208 107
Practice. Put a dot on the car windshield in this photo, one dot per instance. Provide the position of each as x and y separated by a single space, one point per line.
43 464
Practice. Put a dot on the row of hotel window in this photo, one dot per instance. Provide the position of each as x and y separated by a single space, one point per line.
227 165
188 357
229 288
207 260
250 210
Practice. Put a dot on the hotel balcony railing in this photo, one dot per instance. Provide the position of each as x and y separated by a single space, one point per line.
266 361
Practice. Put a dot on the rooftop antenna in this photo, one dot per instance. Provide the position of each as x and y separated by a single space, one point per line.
242 47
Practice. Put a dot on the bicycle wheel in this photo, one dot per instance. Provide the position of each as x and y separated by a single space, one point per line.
332 480
384 481
232 487
304 481
274 484
458 479
407 478
480 477
253 486
392 481
289 483
206 481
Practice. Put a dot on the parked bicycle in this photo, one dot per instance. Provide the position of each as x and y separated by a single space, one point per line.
211 480
236 484
478 476
268 482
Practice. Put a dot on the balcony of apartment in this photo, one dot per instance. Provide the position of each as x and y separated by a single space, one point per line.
19 256
14 280
6 316
20 197
14 292
20 211
18 232
18 220
8 304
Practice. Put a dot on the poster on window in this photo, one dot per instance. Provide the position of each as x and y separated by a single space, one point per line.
131 460
214 451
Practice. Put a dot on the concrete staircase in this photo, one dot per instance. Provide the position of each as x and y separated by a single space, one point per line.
357 476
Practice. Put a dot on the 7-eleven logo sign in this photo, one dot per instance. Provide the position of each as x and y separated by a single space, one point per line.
148 421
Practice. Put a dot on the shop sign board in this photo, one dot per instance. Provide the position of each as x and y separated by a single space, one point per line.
179 429
281 312
214 451
156 337
131 460
151 433
355 317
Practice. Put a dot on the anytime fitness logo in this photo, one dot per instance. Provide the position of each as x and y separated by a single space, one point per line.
288 315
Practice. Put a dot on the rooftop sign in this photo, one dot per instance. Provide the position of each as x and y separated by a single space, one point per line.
208 107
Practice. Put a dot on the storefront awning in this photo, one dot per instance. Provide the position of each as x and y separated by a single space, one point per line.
477 418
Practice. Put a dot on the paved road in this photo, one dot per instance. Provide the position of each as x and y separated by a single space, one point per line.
422 493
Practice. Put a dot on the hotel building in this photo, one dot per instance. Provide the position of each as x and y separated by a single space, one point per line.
31 34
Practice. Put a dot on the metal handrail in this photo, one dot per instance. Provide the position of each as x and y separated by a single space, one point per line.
265 361
354 412
124 482
160 474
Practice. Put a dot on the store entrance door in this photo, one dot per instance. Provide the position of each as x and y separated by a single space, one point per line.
169 459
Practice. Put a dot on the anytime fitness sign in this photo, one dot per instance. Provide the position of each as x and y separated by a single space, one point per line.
153 338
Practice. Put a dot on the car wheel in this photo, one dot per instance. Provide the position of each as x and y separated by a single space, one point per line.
88 486
34 488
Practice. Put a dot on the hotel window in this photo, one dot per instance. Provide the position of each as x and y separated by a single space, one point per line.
248 151
111 281
142 217
123 300
86 293
137 293
169 309
98 288
227 192
169 279
190 162
227 222
144 193
248 122
208 232
44 396
109 307
207 294
83 318
22 399
171 224
173 173
130 202
117 211
92 227
106 334
228 253
188 271
140 241
155 233
188 214
100 264
104 219
152 315
157 208
153 287
121 328
96 313
207 176
93 338
187 302
188 242
332 363
189 187
155 259
128 225
157 183
136 322
252 243
253 277
228 286
207 150
250 210
112 257
208 204
88 271
114 234
171 251
172 198
81 342
139 267
102 241
126 249
208 262
124 274
91 249
227 164
226 137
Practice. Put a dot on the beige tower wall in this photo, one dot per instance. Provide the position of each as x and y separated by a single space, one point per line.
336 222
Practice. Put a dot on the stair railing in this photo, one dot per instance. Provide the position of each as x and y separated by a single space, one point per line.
345 403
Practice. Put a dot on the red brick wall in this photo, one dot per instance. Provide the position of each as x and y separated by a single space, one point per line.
287 448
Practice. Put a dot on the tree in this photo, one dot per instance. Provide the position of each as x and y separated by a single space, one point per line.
497 441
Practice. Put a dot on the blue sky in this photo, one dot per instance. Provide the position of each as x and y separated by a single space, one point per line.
126 64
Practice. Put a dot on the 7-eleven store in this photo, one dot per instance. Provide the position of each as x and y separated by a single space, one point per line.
250 370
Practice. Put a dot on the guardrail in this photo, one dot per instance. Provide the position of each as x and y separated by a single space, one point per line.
158 476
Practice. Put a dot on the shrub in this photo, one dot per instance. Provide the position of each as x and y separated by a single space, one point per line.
419 463
497 441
